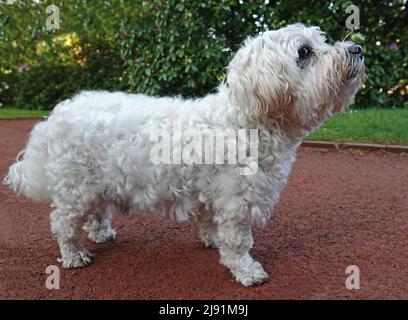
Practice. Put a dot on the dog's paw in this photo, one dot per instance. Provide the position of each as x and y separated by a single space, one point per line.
76 260
250 275
210 242
103 235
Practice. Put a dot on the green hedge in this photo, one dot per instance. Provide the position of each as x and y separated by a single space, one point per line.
41 85
176 46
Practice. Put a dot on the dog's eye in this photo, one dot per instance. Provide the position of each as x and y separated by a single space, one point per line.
304 52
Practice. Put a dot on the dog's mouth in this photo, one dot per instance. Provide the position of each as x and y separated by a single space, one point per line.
355 67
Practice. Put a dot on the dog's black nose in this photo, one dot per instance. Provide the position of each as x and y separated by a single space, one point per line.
355 49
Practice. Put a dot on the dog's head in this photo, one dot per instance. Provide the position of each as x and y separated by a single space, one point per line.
293 74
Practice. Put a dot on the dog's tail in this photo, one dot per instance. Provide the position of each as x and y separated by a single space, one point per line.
27 176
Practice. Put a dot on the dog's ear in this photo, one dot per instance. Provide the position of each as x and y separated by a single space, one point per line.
255 80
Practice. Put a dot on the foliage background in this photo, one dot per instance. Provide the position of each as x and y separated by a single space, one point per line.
177 47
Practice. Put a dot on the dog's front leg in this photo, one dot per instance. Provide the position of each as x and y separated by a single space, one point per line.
67 229
236 240
99 225
207 230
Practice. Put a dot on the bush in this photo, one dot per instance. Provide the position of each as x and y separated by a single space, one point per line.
177 46
42 86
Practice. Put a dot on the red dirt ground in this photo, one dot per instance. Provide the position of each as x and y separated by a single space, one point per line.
340 208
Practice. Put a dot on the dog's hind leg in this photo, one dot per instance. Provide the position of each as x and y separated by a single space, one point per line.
67 228
235 236
99 226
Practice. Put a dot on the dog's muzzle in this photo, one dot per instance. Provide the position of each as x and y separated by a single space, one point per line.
356 49
355 60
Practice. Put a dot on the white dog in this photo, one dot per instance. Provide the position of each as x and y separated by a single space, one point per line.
92 155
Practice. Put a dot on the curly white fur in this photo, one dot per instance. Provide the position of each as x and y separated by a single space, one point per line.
92 154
